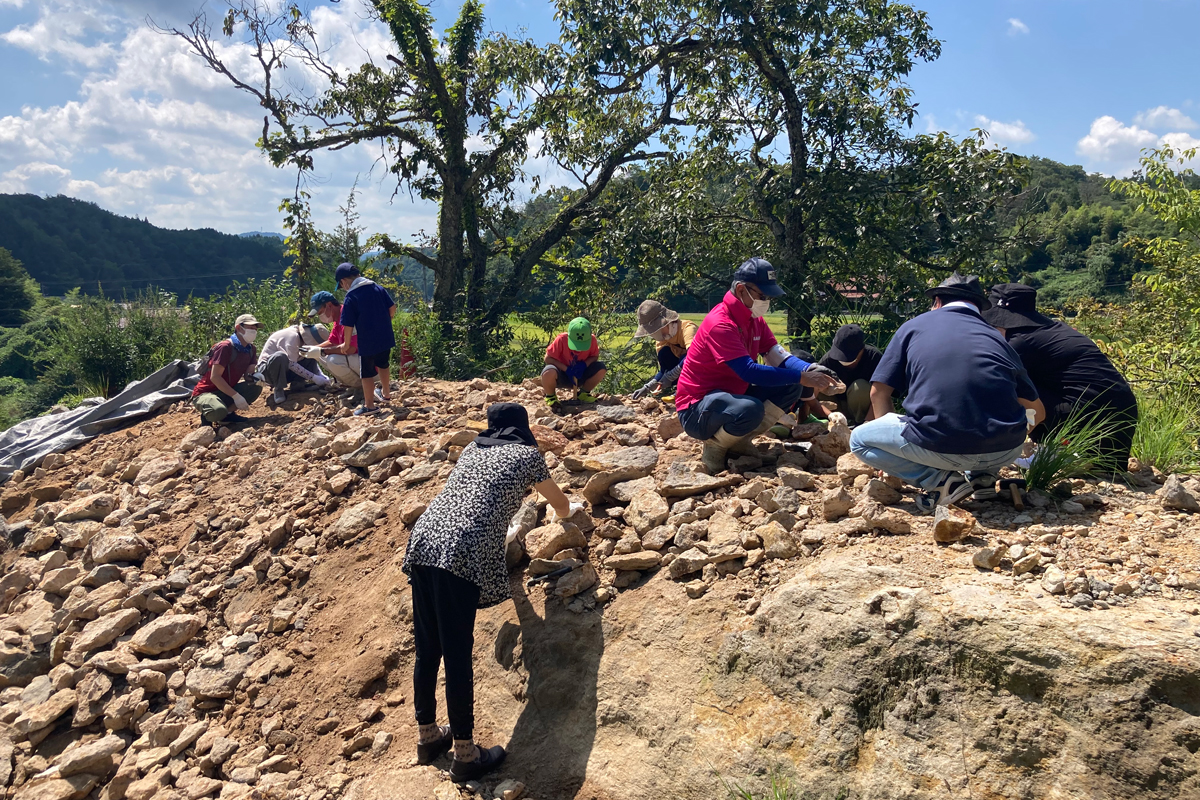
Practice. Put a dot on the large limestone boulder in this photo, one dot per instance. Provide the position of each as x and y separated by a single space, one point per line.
547 540
159 470
647 510
119 544
355 520
166 633
94 506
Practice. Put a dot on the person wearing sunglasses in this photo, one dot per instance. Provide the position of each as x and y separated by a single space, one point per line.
725 397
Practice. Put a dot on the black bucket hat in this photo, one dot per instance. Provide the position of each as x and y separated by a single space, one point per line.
961 287
508 423
1014 305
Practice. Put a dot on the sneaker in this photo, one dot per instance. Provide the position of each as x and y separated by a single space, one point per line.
485 761
379 396
983 486
431 751
953 489
587 397
279 396
552 401
363 411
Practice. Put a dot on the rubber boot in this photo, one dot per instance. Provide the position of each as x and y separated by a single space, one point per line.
716 450
745 446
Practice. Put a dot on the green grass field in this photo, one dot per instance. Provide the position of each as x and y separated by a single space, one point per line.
778 323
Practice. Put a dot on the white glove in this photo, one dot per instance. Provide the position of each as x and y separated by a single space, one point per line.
311 351
574 509
323 380
240 402
514 528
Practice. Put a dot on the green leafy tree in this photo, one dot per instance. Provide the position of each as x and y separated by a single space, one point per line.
805 108
1156 335
454 119
18 292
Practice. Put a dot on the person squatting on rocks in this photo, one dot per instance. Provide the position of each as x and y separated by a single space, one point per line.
1069 371
337 353
367 314
455 562
573 362
225 367
672 337
283 365
725 398
965 398
854 362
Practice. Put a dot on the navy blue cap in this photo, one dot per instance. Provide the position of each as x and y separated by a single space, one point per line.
759 272
345 270
319 299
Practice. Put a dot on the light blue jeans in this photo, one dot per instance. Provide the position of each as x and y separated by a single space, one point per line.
880 443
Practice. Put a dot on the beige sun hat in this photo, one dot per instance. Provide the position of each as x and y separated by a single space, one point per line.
653 316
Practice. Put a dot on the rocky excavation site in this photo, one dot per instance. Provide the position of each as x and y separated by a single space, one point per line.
189 613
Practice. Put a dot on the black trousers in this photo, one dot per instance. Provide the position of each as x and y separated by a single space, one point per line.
444 608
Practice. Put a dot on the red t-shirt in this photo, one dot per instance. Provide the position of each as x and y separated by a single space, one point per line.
560 350
235 362
728 332
337 335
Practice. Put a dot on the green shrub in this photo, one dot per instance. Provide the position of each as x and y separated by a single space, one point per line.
1072 450
1168 431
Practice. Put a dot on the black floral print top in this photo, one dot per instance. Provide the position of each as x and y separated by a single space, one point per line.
463 529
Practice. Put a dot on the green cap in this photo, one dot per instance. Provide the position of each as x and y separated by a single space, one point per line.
579 335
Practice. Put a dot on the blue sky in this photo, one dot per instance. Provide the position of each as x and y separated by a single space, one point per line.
98 106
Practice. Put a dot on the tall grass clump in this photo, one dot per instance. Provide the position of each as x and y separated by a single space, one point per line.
1073 449
1168 432
780 788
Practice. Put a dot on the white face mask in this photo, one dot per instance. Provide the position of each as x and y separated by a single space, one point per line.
248 335
760 307
325 318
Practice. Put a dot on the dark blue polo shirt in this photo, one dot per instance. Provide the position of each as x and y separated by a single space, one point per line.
366 310
960 381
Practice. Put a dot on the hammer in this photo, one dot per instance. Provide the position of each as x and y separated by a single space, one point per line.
558 573
1014 487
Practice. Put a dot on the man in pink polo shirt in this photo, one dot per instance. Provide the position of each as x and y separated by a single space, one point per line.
725 397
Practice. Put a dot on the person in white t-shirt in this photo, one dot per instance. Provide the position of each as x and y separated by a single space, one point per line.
281 361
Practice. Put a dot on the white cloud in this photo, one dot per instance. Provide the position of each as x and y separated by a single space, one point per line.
1005 133
1111 140
1165 118
154 133
1016 27
1114 148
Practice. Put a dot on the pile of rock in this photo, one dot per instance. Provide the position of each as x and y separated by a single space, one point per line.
138 651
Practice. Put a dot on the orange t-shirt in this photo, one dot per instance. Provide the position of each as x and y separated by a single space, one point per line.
560 351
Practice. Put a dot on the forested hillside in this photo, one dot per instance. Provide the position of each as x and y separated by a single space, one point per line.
1068 235
66 243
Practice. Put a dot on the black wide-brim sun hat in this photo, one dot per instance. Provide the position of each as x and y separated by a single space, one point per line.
1014 305
961 287
508 423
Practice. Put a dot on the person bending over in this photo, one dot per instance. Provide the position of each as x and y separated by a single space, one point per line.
1072 376
573 362
672 337
965 399
224 385
725 397
854 362
455 563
